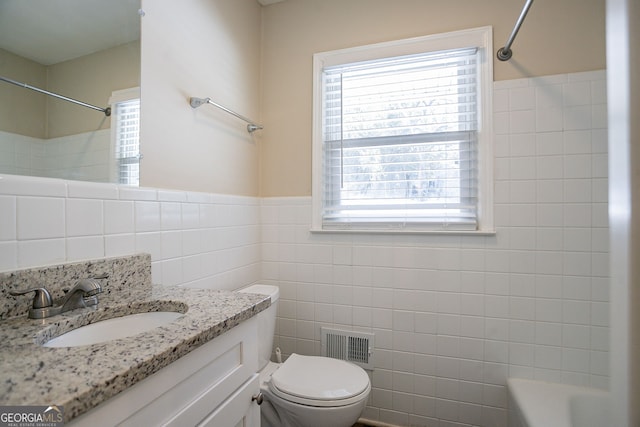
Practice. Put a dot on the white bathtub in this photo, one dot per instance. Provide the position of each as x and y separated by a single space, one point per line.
542 404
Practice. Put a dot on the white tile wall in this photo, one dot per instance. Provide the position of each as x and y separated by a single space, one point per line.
455 316
194 239
84 156
19 154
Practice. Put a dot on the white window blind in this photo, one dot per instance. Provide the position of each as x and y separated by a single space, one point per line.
400 142
127 137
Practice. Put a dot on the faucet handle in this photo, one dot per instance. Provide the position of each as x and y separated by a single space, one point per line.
41 299
89 285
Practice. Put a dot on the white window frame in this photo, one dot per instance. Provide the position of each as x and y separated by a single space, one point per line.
481 38
118 96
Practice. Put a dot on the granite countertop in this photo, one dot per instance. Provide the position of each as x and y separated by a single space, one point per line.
80 378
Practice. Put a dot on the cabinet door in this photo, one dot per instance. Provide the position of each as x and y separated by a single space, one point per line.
239 409
186 391
252 417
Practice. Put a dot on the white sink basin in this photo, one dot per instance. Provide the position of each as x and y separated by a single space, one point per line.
112 329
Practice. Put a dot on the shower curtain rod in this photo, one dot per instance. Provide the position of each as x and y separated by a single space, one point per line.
504 53
106 111
251 127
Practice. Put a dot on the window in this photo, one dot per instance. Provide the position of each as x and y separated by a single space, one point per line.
125 135
402 135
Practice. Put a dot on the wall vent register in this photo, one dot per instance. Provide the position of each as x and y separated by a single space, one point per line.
355 347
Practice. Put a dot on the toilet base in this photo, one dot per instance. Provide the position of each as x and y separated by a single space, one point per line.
278 412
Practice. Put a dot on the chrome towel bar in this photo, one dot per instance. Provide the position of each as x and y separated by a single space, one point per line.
251 126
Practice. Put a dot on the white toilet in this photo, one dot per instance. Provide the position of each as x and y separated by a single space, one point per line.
305 391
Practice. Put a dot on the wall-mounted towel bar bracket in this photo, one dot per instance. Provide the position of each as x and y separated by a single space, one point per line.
106 111
504 53
251 126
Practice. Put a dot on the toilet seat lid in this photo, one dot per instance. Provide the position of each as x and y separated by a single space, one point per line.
325 381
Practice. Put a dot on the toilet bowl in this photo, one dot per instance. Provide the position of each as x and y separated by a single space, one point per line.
305 391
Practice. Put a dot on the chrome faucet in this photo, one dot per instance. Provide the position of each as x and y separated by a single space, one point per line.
83 294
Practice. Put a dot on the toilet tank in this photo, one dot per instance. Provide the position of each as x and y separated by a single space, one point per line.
266 321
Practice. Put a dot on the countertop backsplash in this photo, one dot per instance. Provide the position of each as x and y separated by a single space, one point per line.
124 272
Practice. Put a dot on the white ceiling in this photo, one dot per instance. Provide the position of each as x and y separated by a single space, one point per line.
52 31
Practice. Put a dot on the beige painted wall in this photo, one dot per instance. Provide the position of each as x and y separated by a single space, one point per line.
200 48
91 79
15 101
557 37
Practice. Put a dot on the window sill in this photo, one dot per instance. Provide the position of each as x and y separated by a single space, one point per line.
407 232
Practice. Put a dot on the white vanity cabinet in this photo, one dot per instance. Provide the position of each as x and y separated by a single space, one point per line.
210 386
